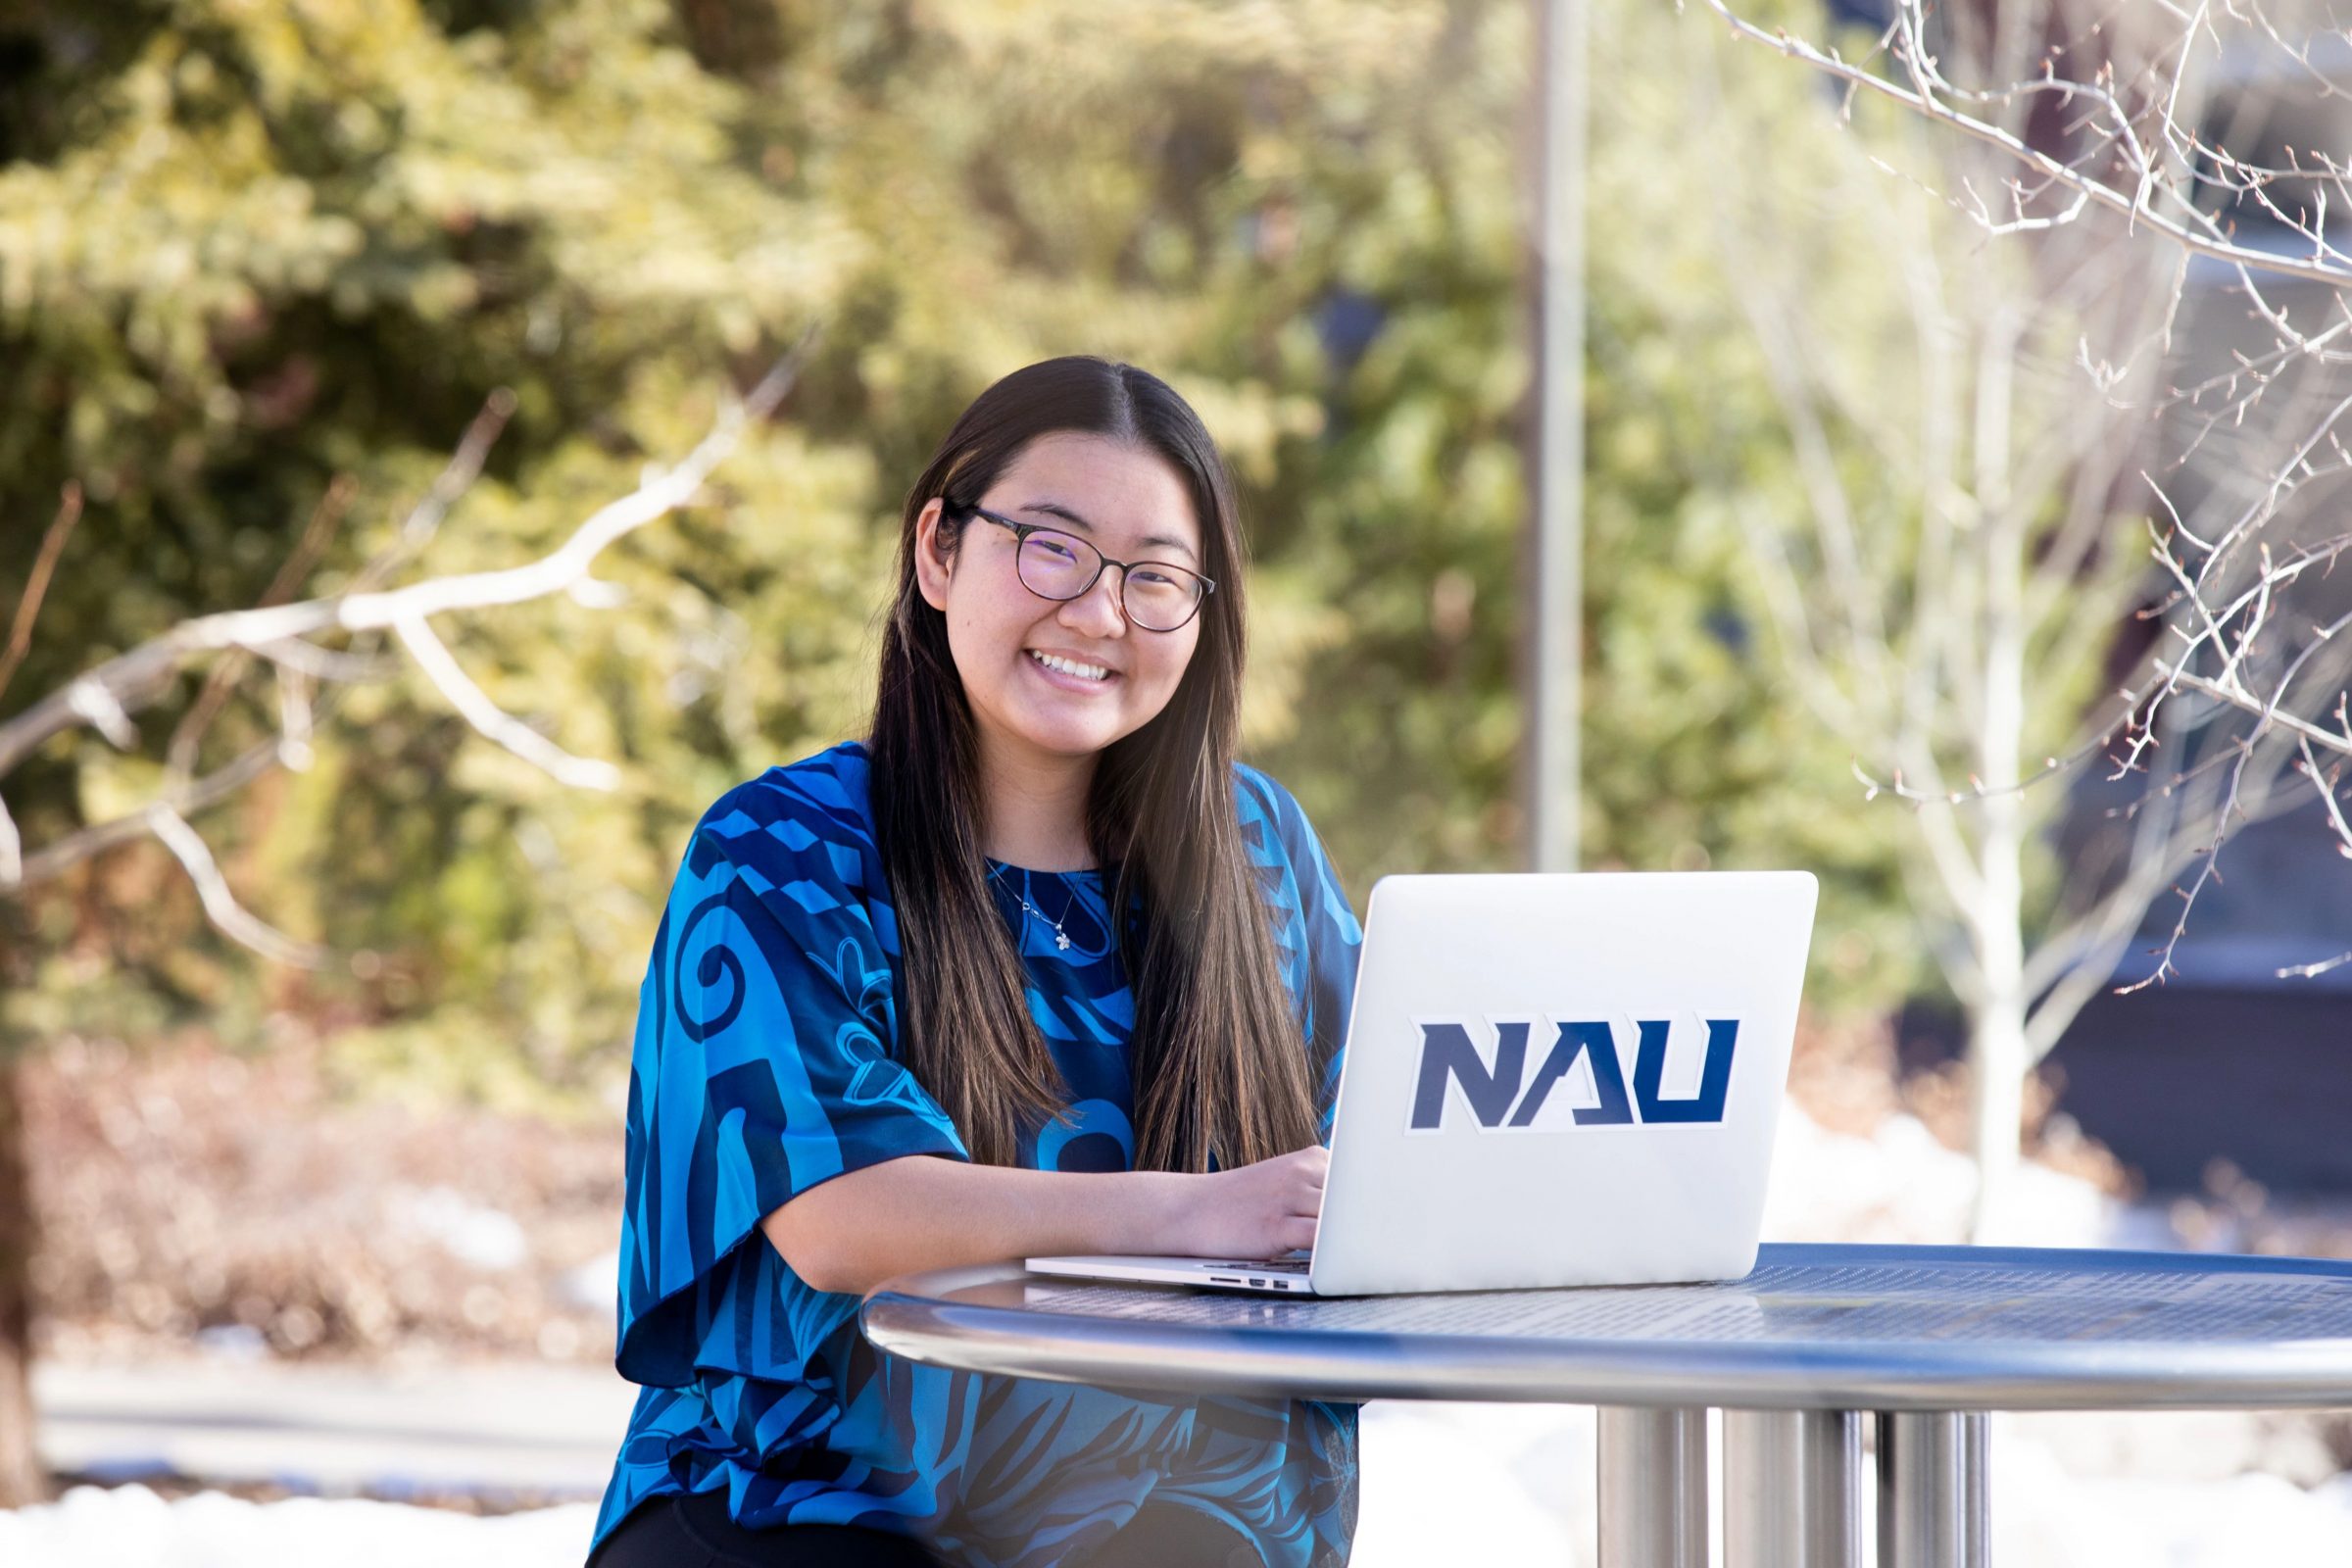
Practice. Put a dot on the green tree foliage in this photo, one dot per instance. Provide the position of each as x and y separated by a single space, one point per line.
246 249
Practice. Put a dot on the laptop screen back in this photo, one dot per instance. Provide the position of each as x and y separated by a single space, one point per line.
1562 1080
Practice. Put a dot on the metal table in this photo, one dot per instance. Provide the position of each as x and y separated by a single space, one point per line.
1928 1338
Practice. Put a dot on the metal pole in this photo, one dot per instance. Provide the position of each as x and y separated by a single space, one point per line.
1791 1489
1653 1488
1933 1508
1555 641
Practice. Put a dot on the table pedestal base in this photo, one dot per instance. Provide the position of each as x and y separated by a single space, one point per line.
1653 1488
1791 1489
1932 1511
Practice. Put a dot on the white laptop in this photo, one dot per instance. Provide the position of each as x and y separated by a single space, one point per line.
1549 1080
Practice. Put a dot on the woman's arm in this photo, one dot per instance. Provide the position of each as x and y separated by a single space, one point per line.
921 1212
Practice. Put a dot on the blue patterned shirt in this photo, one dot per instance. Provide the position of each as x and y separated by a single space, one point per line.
766 1062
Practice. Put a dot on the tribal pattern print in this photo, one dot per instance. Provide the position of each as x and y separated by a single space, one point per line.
765 1063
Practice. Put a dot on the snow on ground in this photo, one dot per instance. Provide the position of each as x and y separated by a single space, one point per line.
1476 1484
1442 1483
1500 1483
1900 1185
130 1527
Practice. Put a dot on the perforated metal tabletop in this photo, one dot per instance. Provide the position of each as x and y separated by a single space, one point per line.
1926 1337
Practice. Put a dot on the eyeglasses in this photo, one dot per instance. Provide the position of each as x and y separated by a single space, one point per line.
1156 595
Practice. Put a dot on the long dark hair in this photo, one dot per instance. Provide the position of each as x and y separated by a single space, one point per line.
1220 1067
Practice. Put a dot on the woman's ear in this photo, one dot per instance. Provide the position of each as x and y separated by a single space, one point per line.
932 568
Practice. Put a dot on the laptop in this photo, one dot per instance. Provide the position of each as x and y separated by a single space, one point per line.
1549 1080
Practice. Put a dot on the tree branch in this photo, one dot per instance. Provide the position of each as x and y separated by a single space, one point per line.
104 696
56 858
189 734
2327 264
220 906
493 721
36 583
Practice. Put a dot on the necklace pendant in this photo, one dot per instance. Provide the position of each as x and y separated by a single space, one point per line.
1061 939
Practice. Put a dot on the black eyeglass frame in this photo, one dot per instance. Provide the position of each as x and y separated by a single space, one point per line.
1020 536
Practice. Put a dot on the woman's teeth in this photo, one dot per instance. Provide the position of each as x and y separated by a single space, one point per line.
1070 666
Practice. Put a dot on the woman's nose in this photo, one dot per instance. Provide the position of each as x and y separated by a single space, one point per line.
1097 612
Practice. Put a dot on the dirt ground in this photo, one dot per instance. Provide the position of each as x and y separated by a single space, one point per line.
188 1195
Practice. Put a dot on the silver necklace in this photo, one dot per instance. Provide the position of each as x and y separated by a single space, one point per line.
1061 938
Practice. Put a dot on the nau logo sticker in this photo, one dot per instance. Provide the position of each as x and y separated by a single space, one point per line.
1499 1093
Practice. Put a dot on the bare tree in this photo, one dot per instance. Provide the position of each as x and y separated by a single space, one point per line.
311 649
2118 401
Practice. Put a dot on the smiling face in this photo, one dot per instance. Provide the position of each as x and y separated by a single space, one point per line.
1053 681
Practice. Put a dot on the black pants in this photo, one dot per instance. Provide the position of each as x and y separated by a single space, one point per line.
696 1532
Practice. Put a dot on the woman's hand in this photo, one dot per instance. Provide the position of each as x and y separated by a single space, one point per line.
1260 1210
920 1212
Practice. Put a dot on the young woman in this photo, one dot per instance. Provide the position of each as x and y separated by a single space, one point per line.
1037 969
